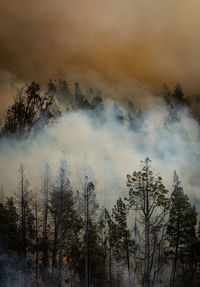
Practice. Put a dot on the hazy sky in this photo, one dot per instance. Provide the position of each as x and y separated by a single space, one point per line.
113 44
150 41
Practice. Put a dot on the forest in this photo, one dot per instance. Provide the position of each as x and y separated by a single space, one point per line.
55 234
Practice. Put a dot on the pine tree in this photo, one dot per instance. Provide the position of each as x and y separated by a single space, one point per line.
36 211
9 239
25 222
45 240
90 236
181 224
81 101
61 207
2 196
110 241
124 244
148 196
178 96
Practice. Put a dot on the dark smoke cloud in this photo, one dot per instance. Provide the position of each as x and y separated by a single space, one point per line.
144 41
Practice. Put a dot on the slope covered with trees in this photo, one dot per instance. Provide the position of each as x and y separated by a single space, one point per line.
80 243
55 234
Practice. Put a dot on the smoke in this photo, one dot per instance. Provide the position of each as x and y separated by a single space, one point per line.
106 150
149 42
126 49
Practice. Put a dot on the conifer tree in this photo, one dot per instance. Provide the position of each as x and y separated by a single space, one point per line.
61 207
148 196
181 224
123 241
90 208
178 96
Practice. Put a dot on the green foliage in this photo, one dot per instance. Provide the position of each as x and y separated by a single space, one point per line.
182 216
76 227
182 234
124 244
143 185
148 197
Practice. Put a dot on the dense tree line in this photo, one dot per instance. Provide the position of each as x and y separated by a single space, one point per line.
63 237
35 106
60 236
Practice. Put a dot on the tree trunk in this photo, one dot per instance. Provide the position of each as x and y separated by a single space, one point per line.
36 243
61 217
55 243
173 273
147 254
110 266
23 224
128 257
45 250
147 244
87 283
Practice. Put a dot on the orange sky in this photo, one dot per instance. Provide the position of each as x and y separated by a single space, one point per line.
149 41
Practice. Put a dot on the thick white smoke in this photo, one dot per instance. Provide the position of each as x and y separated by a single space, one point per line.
107 150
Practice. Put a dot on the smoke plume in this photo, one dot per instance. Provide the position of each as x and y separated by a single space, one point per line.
106 151
149 42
